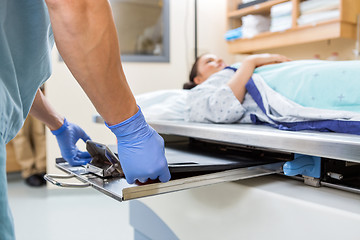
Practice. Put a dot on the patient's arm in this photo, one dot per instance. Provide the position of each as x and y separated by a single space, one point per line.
42 110
238 81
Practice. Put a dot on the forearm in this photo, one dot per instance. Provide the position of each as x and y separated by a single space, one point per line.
86 38
42 110
243 74
238 82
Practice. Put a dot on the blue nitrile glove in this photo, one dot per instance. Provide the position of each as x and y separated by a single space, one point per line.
67 136
141 150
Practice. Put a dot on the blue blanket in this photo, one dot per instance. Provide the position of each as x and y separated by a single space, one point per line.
314 83
309 94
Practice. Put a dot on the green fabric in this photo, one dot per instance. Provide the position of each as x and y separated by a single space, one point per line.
314 83
25 43
6 221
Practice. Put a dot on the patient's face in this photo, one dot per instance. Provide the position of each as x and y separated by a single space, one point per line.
207 66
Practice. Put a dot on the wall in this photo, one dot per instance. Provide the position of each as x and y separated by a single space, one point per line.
211 29
67 97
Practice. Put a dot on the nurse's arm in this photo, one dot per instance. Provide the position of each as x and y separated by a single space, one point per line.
67 134
42 110
86 38
238 82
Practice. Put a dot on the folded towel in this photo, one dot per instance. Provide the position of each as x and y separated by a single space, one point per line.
312 6
281 9
254 24
247 1
318 17
233 34
281 23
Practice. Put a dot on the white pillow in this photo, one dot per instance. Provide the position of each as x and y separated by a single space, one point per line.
163 104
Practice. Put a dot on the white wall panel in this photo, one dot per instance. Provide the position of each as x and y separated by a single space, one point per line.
68 98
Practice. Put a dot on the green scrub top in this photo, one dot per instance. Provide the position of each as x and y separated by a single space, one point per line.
26 40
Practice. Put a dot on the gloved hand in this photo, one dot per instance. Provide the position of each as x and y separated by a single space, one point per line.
141 150
67 136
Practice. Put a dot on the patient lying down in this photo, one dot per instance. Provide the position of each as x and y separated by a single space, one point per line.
220 95
270 89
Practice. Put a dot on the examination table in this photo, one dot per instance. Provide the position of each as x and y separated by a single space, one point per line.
258 189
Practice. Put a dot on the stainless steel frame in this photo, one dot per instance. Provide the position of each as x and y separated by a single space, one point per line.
120 190
323 144
329 145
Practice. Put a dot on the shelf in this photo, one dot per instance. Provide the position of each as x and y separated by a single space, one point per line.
298 35
343 27
255 9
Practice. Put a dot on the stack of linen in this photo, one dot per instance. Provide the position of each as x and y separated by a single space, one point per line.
247 1
233 34
314 11
252 25
281 17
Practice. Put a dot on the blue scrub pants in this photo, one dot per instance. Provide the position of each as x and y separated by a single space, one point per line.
6 220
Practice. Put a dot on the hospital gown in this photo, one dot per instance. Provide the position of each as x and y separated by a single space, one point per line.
297 95
214 102
26 40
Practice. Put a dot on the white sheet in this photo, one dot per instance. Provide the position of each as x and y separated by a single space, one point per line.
163 104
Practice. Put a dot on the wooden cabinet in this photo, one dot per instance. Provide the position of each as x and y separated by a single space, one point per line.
343 27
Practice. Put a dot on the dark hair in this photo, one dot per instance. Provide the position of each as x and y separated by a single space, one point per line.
193 74
189 85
